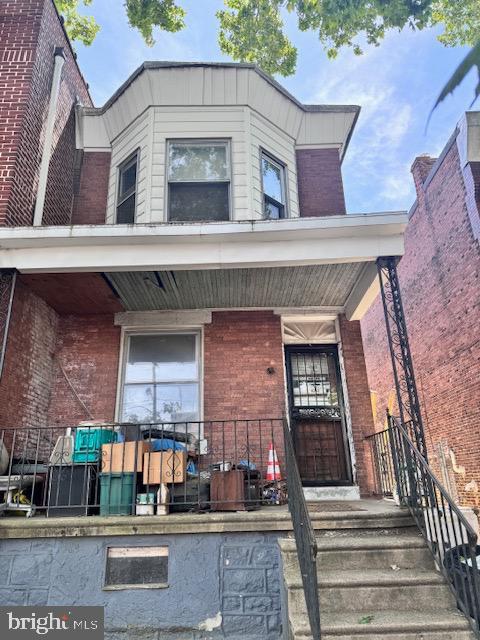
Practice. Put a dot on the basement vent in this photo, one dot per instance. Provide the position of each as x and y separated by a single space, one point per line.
136 568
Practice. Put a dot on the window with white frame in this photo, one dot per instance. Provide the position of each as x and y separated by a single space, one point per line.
273 185
127 190
161 378
199 180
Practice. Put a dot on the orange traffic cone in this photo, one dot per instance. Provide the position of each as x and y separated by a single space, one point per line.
273 468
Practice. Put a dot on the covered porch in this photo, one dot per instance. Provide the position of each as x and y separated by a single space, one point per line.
214 338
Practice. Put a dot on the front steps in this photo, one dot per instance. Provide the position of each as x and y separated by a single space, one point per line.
377 581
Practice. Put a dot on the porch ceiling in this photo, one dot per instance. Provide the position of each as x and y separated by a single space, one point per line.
313 286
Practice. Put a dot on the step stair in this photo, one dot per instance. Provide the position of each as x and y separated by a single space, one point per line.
375 583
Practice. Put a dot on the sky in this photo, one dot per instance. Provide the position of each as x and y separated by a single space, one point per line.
396 85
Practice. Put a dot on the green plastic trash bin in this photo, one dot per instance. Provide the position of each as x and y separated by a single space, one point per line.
117 492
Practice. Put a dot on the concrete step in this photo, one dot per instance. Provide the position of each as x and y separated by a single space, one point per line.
389 625
368 552
382 518
376 590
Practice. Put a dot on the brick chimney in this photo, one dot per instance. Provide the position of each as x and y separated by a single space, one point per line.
420 169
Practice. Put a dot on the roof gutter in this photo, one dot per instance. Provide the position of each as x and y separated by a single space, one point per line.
59 60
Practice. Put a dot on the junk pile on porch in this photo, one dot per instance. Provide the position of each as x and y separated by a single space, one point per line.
132 469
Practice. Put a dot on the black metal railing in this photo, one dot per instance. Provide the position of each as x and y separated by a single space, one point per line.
304 535
143 469
401 470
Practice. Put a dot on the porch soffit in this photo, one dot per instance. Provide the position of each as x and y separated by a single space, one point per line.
302 286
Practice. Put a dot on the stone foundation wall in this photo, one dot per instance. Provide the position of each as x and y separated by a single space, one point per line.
219 585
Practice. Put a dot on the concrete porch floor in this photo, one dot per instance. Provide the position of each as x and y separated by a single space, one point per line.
356 514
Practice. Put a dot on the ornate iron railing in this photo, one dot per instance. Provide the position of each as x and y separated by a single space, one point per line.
155 468
304 535
401 470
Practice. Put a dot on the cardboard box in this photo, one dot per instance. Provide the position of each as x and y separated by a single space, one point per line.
121 456
164 467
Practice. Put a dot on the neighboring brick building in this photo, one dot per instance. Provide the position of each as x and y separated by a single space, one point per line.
29 32
440 281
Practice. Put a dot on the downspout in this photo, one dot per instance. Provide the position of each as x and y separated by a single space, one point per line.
59 58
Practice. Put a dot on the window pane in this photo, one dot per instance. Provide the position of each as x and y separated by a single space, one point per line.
128 177
162 358
138 403
198 162
273 211
177 402
198 201
126 211
272 180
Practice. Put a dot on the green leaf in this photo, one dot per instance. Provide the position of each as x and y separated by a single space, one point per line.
471 60
78 27
366 619
144 15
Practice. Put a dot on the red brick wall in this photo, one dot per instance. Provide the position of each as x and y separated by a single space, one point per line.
90 203
320 185
27 376
358 399
29 31
88 350
439 277
239 346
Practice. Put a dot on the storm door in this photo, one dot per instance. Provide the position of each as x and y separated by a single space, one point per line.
317 415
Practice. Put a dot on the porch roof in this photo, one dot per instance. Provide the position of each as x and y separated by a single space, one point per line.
304 262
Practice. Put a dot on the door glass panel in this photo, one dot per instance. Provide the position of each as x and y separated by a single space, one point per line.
313 380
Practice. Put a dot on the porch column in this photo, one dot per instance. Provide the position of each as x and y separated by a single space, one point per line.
404 376
7 289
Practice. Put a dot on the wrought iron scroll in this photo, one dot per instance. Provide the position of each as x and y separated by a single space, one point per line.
7 289
406 388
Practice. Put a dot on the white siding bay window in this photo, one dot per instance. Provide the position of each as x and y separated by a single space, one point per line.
161 378
198 180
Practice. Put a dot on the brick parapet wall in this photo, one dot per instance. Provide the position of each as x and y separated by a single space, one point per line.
358 400
439 278
90 204
320 185
29 32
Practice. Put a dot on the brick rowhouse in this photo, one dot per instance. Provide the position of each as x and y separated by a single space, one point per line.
30 29
440 282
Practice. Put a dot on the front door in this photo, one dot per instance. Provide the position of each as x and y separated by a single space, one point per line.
317 415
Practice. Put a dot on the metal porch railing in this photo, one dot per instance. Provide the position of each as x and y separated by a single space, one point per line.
304 535
142 469
401 471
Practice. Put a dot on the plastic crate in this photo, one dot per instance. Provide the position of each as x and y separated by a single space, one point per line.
88 442
117 493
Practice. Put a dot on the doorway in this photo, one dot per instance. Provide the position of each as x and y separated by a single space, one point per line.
317 415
